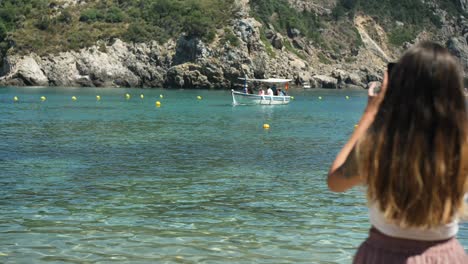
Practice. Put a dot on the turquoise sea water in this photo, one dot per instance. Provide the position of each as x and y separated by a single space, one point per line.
194 181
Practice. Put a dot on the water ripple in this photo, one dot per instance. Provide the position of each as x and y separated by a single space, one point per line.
190 182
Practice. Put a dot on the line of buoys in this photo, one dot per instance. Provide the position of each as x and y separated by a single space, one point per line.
142 96
158 104
266 126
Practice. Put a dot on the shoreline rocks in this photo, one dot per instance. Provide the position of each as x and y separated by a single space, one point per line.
189 63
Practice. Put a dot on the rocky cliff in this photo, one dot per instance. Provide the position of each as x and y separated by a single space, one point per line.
259 51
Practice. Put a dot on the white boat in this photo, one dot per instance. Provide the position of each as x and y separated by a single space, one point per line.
241 98
244 98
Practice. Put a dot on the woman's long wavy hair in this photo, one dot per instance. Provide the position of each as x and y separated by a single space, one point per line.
414 157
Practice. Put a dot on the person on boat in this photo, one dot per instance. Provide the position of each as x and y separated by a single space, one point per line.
281 92
261 91
410 150
270 91
275 91
246 89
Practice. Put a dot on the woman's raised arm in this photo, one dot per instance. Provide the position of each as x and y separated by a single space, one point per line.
343 173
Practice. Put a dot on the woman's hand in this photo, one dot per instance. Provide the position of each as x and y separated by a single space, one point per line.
374 99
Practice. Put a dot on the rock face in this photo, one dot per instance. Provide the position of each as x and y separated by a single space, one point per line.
30 73
121 64
463 4
190 63
459 47
186 76
323 81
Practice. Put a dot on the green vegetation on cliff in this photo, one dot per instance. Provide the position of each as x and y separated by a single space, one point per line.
323 31
47 27
283 17
414 14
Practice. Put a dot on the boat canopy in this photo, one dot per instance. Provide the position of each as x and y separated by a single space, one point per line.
269 80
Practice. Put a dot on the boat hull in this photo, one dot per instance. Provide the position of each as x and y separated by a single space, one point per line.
239 98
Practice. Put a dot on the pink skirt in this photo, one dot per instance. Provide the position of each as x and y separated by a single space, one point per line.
383 249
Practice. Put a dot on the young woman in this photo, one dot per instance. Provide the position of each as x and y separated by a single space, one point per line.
410 150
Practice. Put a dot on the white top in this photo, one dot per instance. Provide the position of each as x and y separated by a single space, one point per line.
441 232
269 91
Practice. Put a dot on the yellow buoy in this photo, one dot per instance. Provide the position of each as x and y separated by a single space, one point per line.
356 125
292 97
266 126
98 98
161 96
15 99
320 97
142 96
127 96
74 98
199 97
43 98
158 104
347 97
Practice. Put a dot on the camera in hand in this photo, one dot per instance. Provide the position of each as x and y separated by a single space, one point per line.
390 67
378 87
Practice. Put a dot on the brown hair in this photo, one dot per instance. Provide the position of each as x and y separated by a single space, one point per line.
414 156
